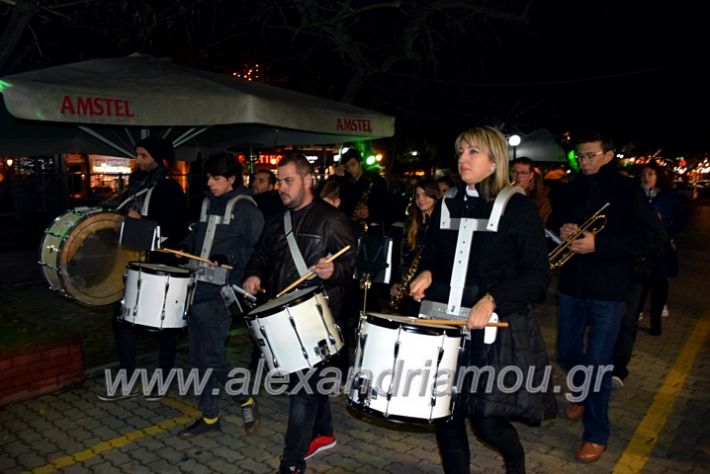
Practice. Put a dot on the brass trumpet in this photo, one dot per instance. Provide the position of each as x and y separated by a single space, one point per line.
562 253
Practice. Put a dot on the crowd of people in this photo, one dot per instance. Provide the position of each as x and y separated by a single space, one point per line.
473 242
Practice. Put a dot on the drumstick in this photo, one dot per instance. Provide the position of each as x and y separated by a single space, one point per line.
311 272
194 257
449 322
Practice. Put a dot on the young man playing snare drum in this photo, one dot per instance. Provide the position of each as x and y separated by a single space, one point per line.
318 230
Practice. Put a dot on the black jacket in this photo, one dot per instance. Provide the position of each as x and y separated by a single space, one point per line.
320 229
632 232
232 243
510 264
168 206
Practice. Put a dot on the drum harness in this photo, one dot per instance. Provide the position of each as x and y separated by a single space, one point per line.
216 275
466 228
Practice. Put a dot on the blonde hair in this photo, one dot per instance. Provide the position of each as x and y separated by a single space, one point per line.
495 141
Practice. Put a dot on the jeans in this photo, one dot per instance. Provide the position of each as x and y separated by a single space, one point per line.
604 319
627 332
208 328
308 417
125 336
452 439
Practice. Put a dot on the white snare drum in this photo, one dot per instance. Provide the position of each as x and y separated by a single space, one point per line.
404 371
296 331
157 296
81 257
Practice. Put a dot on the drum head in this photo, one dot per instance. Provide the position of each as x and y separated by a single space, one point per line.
160 269
410 324
275 305
90 263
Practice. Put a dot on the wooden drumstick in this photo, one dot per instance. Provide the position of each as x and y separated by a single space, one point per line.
449 322
311 272
194 257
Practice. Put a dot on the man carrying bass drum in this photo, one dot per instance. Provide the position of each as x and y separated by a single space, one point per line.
506 271
318 230
158 197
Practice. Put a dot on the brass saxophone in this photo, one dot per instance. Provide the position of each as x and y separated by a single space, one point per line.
362 203
407 277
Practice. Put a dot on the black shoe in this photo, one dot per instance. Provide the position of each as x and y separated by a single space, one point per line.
655 331
250 413
119 395
197 428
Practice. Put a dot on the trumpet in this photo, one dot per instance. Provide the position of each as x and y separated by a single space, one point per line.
562 253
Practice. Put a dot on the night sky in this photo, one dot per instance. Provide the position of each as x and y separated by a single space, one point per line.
637 69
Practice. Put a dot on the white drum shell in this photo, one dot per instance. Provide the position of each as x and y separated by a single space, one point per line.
423 387
300 336
157 300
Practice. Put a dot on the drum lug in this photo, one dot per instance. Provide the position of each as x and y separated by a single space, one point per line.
322 350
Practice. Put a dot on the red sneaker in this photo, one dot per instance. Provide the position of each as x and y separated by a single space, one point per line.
320 443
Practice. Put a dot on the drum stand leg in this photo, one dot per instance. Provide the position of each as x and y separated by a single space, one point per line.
365 284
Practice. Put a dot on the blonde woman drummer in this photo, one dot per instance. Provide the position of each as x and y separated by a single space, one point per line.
505 273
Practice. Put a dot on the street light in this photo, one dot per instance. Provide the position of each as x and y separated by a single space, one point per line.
514 141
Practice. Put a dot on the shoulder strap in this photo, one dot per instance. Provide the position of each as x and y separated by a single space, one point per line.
293 245
445 220
228 212
500 204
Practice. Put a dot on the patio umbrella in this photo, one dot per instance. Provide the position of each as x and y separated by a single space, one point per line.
105 106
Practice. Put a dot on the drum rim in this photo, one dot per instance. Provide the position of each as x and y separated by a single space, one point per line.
59 268
428 329
399 419
309 292
184 272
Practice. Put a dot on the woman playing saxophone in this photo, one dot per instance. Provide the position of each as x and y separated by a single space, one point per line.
425 196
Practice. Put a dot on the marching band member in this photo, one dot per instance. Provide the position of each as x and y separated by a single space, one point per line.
595 282
229 226
506 271
318 229
426 194
157 197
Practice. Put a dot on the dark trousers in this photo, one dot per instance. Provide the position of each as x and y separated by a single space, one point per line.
627 332
125 336
208 328
658 288
308 417
498 432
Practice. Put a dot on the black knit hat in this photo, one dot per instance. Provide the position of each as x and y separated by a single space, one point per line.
159 149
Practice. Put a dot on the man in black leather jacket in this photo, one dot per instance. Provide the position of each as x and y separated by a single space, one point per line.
319 230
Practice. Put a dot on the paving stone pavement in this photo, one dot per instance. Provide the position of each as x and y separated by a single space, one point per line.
71 431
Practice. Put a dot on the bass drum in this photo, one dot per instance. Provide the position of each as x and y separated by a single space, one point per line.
81 256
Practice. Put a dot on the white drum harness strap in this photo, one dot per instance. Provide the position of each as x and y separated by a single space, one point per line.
466 228
210 273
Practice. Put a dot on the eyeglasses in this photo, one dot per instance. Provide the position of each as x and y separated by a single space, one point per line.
590 155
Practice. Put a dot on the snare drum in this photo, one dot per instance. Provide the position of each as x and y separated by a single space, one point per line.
296 331
157 296
81 257
404 371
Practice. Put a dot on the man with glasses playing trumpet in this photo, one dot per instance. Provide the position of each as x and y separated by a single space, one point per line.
595 276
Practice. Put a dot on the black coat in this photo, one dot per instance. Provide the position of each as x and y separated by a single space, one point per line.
233 243
632 232
320 229
512 265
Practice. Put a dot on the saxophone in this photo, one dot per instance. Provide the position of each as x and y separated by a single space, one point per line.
362 203
407 277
